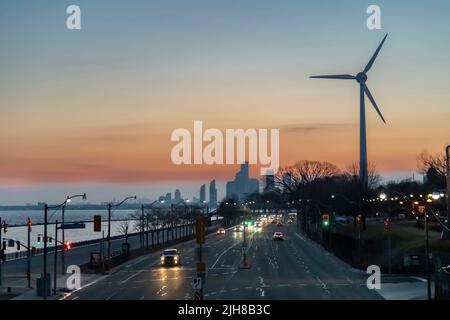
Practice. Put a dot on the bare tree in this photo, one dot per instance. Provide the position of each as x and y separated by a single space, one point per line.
374 178
124 229
426 161
302 173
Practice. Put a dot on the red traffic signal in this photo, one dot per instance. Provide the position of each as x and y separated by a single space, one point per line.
387 224
67 245
29 223
5 227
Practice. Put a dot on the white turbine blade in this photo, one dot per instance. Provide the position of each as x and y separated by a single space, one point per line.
374 57
369 95
336 76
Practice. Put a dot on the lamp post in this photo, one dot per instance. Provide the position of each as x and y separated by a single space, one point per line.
110 206
447 153
63 210
143 207
46 208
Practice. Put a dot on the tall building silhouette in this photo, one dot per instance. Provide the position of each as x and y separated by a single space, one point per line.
242 186
212 194
177 196
202 193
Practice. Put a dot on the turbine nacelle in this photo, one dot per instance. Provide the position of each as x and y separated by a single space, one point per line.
361 78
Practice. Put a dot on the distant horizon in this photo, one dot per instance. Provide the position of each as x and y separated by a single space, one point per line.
105 192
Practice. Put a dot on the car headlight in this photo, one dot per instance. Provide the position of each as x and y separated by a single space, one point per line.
162 260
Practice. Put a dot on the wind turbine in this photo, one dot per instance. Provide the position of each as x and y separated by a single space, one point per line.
361 78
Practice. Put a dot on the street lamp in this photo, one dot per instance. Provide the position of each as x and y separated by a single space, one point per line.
436 195
63 209
46 208
110 206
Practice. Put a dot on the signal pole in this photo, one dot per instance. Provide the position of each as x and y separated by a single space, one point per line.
1 255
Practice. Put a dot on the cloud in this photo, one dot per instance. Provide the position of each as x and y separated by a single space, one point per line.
315 127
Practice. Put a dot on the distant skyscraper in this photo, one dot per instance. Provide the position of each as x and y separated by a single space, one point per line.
242 186
168 198
177 196
202 193
270 183
212 194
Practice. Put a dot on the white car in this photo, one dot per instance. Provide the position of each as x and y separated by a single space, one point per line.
170 257
278 236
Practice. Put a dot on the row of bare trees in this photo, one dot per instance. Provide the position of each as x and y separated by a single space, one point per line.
156 218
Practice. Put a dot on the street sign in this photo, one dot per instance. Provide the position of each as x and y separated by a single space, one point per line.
201 267
200 227
73 226
197 283
97 223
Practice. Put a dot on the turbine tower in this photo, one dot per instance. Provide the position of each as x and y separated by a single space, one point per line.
361 78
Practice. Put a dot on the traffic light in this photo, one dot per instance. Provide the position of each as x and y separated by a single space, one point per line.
29 223
39 239
5 227
387 224
18 245
97 223
4 245
67 245
50 240
325 220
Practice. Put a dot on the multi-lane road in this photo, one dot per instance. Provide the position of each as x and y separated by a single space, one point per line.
296 268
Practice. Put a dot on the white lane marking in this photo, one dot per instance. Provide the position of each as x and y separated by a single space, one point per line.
109 298
75 298
221 255
235 289
130 277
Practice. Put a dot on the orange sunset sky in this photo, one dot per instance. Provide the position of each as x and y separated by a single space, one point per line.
100 104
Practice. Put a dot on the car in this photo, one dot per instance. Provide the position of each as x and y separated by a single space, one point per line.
221 231
278 236
290 221
279 224
170 257
238 228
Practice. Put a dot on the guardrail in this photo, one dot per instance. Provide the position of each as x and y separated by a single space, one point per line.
177 230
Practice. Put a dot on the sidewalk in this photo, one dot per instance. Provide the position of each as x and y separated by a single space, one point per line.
61 291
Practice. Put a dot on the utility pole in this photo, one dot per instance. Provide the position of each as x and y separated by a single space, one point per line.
44 295
29 253
1 253
63 264
109 231
55 262
142 226
447 153
427 261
